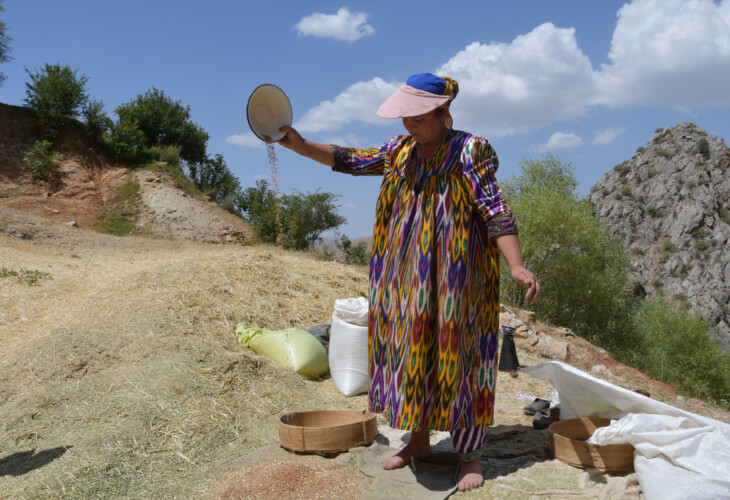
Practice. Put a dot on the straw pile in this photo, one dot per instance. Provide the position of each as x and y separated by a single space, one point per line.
121 373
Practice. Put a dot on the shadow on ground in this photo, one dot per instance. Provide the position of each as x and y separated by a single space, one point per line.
23 462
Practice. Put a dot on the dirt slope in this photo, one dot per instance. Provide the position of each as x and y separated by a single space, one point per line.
87 181
168 211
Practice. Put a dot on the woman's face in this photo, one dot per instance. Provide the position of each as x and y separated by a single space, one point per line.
426 128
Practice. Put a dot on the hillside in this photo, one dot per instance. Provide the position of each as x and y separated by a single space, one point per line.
88 181
122 377
670 203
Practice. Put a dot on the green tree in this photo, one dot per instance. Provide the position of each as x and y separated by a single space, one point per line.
215 179
258 205
4 44
128 144
57 94
548 172
304 216
165 122
96 121
582 269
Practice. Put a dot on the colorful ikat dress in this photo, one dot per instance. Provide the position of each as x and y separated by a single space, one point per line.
434 281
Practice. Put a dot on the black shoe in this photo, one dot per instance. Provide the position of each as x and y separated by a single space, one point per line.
537 405
544 418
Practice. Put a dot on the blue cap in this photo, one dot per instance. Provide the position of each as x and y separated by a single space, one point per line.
427 82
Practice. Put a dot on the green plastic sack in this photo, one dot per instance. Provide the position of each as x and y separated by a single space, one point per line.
292 347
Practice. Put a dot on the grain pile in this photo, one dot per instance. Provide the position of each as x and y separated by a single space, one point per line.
300 478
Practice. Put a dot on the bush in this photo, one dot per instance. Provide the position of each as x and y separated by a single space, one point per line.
668 247
654 211
170 155
324 253
703 148
582 269
56 94
303 217
622 169
356 255
672 345
662 136
40 161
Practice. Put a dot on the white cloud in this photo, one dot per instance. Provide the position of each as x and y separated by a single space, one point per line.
562 140
672 53
606 136
537 79
358 102
248 139
350 207
345 25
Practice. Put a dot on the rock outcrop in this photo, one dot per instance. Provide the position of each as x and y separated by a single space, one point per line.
670 203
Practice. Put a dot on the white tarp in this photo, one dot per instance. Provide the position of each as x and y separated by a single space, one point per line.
679 454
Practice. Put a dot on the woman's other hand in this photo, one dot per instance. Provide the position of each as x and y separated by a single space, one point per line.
524 277
509 245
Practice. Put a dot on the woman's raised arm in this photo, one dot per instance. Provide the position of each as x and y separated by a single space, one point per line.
321 153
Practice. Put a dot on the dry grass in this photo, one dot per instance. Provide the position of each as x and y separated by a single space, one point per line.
121 373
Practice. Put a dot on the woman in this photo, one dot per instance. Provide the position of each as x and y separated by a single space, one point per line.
440 225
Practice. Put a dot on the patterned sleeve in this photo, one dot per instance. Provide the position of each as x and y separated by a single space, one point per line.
480 164
368 161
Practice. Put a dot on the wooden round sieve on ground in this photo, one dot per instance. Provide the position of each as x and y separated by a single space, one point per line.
568 444
327 431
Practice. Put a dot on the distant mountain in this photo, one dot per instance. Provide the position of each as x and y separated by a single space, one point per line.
671 205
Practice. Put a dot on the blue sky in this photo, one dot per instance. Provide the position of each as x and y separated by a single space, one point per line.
589 81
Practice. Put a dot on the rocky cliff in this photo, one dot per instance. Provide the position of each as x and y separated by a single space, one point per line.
671 204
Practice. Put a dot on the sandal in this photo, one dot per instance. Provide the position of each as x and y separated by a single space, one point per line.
537 405
544 418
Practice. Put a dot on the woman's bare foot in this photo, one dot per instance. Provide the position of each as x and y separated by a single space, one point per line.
470 474
419 447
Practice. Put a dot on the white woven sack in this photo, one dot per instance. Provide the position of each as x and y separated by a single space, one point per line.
348 357
353 310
